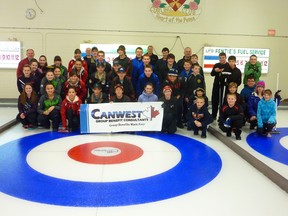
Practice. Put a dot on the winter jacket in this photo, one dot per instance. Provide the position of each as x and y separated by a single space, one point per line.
266 112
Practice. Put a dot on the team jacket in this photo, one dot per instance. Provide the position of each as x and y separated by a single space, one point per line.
68 104
202 115
45 103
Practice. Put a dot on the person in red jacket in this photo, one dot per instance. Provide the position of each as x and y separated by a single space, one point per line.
77 55
78 84
29 55
80 70
70 110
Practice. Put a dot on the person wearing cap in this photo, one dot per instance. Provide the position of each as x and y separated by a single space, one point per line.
77 55
163 71
169 111
200 92
125 82
80 70
119 95
97 96
114 70
199 117
99 76
78 84
194 81
147 94
177 92
252 67
124 61
148 76
58 63
253 101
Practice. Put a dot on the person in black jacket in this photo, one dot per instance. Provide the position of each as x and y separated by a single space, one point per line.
219 82
170 111
199 117
231 117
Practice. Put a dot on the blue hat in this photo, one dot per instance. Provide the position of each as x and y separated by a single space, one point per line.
173 72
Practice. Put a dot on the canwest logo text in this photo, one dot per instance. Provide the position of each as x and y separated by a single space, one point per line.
98 114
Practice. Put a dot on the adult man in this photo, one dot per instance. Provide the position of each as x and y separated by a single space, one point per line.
187 56
29 55
153 57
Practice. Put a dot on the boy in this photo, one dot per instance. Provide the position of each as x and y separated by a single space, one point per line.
119 96
98 96
218 85
253 67
148 95
170 111
248 89
199 117
266 114
99 76
231 117
148 76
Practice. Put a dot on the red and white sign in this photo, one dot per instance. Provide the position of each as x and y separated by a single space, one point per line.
10 54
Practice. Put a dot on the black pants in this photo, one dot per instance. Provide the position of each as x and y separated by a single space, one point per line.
217 98
30 119
236 125
73 120
169 123
54 116
266 128
196 129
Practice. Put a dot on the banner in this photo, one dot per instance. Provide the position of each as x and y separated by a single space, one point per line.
211 57
117 117
10 54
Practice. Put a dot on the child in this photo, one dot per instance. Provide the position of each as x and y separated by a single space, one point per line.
148 76
70 110
148 95
199 117
231 117
27 107
50 78
123 80
98 96
253 104
266 114
253 67
119 95
232 89
99 76
49 108
170 111
177 92
78 84
200 92
248 89
26 77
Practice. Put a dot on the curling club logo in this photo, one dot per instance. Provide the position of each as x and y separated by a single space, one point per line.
175 11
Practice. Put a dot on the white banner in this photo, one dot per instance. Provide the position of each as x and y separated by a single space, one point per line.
117 117
10 54
211 57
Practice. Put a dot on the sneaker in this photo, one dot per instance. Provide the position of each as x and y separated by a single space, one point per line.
227 123
203 136
63 131
269 135
238 137
25 126
196 133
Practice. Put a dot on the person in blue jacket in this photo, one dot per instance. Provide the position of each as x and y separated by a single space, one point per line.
266 114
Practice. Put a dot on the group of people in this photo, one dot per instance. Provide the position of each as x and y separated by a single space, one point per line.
54 93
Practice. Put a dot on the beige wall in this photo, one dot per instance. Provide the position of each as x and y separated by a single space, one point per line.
64 25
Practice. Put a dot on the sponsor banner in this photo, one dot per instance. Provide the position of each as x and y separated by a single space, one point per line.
116 117
10 54
111 50
211 57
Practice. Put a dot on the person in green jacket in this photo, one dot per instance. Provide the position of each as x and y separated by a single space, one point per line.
253 67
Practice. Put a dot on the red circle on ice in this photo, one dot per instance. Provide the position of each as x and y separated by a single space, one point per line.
105 152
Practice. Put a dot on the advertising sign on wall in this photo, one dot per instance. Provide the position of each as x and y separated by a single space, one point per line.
10 54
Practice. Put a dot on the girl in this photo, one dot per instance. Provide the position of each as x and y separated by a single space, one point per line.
50 78
27 107
49 108
70 110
